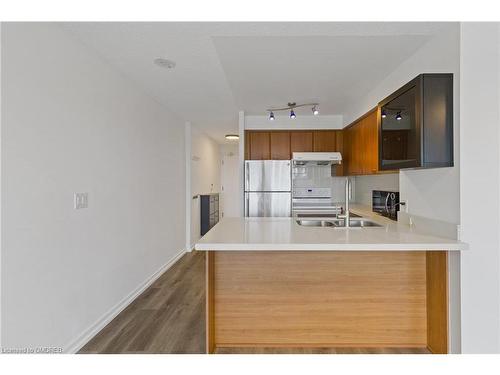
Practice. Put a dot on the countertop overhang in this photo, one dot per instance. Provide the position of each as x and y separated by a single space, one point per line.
284 234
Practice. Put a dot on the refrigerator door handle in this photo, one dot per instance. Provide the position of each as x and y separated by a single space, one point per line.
246 204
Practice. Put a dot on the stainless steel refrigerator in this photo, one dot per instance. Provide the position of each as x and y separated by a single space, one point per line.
268 186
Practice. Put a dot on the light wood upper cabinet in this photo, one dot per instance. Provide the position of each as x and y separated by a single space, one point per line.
329 141
370 139
339 142
324 141
351 145
280 145
259 145
301 141
361 145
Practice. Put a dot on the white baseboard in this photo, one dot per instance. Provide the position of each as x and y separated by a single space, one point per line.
95 328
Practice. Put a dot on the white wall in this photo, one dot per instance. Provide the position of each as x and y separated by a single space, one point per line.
365 184
480 186
300 122
70 124
205 174
230 187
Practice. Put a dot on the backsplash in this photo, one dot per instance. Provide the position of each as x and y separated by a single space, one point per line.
320 176
365 184
362 186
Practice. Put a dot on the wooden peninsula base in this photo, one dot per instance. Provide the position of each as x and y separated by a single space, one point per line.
327 299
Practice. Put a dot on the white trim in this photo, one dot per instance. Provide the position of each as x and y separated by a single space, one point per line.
95 328
189 192
241 156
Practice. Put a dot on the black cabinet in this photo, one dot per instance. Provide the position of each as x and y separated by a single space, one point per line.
209 216
416 124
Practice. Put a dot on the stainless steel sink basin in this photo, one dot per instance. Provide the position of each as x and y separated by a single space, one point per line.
321 216
339 223
315 223
362 223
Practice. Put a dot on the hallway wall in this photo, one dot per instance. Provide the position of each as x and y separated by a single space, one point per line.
71 123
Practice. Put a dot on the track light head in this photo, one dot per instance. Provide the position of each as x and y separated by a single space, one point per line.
398 116
291 107
384 115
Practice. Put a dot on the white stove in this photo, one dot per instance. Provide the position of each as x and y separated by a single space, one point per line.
314 202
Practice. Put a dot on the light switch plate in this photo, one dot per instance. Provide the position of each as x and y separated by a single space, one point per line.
81 200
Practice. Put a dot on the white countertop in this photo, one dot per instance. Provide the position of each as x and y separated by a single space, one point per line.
279 234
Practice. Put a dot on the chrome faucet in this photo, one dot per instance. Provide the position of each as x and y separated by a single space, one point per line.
347 215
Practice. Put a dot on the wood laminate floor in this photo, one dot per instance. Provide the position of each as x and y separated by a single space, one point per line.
169 317
322 351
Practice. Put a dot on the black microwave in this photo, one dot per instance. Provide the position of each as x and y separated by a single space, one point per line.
386 203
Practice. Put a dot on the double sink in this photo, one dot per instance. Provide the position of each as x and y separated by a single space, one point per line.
354 222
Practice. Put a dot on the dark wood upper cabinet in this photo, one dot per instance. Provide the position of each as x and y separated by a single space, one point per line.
259 145
301 141
280 145
394 145
324 141
416 124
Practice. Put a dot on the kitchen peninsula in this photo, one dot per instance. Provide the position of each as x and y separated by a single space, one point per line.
302 270
274 283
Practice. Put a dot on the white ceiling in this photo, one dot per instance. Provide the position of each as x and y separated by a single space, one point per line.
226 67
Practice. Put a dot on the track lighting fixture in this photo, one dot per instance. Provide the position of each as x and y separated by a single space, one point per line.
291 107
384 115
398 116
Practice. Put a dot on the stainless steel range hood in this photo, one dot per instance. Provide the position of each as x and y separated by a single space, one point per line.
318 158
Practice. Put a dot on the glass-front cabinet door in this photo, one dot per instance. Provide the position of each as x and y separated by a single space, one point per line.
400 129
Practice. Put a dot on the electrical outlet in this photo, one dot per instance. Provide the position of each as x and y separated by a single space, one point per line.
81 200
